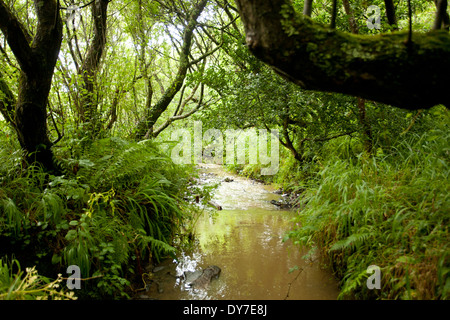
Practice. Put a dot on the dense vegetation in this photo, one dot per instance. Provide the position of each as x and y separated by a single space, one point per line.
121 210
89 97
389 210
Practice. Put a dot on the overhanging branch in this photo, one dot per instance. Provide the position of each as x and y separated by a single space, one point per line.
381 68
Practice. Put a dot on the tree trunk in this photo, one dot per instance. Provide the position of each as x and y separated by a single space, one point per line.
145 126
361 103
307 8
37 61
442 17
365 125
288 144
390 13
384 68
333 15
90 67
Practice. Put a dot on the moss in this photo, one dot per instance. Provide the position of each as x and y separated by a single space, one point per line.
385 68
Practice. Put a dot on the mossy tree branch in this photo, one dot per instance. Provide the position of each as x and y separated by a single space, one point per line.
384 68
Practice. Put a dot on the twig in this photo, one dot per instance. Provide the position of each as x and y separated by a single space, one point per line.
56 127
290 283
412 122
217 206
84 279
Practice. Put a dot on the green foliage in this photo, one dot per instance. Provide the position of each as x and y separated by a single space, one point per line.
391 211
120 204
121 208
17 285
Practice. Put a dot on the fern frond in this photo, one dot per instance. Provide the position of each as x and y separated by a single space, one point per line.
355 240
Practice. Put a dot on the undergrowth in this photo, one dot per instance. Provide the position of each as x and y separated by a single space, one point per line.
117 208
391 210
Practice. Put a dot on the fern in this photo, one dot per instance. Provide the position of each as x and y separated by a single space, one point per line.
118 202
156 245
354 241
372 211
126 164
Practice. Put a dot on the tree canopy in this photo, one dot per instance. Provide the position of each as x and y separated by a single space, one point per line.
103 55
93 93
407 70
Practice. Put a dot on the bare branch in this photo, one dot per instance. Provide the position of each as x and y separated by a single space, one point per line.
169 121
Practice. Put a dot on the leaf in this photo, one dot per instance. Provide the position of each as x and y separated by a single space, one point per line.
56 259
354 240
106 157
71 235
405 259
86 163
293 269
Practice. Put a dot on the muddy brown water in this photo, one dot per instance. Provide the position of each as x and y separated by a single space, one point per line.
245 240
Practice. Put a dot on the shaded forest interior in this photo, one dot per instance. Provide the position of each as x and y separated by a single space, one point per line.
91 93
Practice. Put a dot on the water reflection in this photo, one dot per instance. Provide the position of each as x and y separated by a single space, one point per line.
245 241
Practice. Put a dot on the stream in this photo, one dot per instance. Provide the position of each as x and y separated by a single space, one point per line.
245 240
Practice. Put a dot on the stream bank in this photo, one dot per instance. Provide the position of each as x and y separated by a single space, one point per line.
245 239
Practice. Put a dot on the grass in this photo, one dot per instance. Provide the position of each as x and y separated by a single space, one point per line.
391 211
